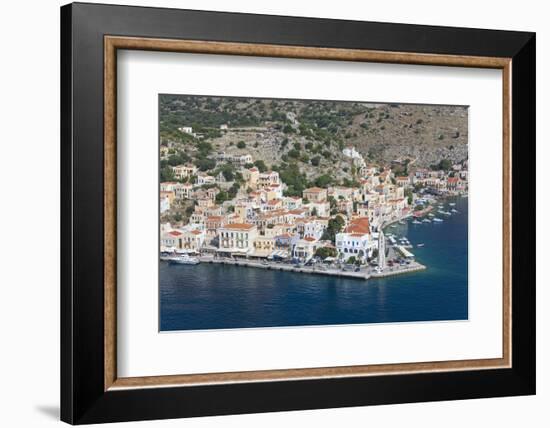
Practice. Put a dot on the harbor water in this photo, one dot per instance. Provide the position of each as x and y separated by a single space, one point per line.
216 296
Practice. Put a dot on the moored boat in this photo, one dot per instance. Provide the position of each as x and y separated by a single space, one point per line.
184 259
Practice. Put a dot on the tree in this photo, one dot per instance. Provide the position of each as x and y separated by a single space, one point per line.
293 153
204 148
178 159
315 161
294 179
205 164
314 212
325 252
260 164
409 195
288 129
323 181
335 225
241 145
233 190
221 197
189 210
445 164
352 260
166 174
228 171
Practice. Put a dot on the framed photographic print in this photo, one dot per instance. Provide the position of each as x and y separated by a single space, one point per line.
266 213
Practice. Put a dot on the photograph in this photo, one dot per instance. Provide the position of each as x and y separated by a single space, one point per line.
294 212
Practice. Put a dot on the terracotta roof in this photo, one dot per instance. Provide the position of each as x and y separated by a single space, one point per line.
314 190
298 211
175 233
309 239
284 235
452 179
359 225
214 218
239 226
196 232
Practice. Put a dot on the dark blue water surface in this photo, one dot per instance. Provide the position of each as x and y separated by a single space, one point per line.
208 296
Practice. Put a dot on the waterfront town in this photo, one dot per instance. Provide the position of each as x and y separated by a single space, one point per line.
242 212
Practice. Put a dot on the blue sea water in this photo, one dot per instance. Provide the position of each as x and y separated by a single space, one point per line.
210 296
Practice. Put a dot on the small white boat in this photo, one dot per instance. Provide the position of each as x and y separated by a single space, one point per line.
454 211
446 213
438 220
427 220
452 204
184 259
416 222
419 245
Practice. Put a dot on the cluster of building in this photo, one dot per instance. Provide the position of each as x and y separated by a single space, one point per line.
261 222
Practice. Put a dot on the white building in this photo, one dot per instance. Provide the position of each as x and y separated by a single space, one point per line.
321 209
171 239
184 191
237 238
164 203
184 171
193 239
355 240
350 152
269 178
305 248
203 178
186 130
313 229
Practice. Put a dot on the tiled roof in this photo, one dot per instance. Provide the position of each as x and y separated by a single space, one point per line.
314 190
239 226
359 225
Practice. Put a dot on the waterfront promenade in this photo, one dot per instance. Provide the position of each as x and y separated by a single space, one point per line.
363 273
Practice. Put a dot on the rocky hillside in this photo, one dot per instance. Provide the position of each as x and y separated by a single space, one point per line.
310 135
